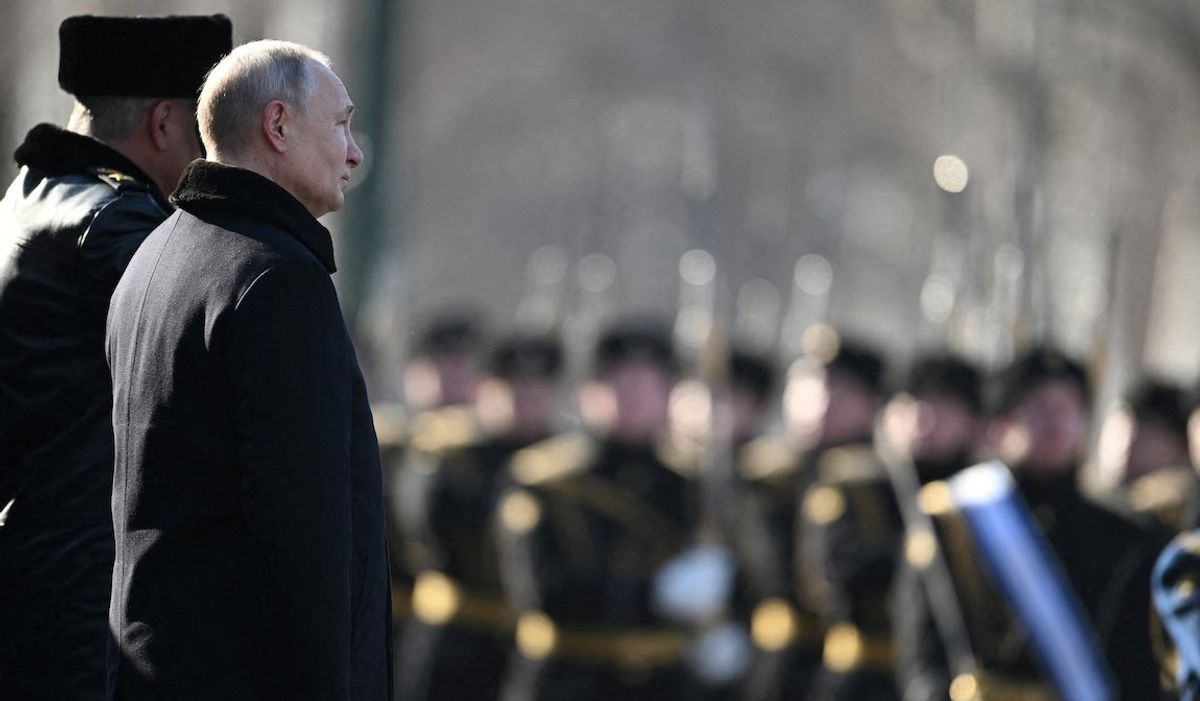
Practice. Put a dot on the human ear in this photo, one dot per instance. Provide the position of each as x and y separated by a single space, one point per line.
274 122
159 126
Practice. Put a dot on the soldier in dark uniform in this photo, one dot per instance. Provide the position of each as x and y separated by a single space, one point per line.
439 382
1039 429
851 527
1144 455
444 367
585 531
459 639
830 399
708 443
84 200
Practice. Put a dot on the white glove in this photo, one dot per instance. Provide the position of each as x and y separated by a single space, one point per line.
695 586
720 655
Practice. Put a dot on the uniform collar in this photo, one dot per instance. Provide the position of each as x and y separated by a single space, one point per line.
208 186
57 152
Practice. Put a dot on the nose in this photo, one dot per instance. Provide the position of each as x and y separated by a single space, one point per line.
354 155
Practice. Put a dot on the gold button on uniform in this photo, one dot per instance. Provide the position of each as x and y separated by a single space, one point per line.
824 505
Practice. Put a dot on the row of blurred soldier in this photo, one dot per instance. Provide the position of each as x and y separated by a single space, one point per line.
537 562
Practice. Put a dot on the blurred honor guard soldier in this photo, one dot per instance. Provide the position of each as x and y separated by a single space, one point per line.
444 368
84 200
829 403
459 640
585 532
704 441
851 527
247 499
439 382
1039 430
1144 455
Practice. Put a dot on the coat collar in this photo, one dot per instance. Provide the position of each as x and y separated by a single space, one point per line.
56 152
216 187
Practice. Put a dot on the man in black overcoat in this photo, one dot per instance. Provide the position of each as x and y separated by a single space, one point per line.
84 200
247 498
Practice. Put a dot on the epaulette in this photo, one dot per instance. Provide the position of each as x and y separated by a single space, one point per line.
391 424
681 457
1162 491
849 464
117 180
767 457
443 429
553 459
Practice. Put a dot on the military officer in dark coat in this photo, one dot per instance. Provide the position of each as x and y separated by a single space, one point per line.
584 532
247 496
851 527
830 399
458 641
1039 429
84 200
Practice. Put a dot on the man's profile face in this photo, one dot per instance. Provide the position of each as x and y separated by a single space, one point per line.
1047 429
322 151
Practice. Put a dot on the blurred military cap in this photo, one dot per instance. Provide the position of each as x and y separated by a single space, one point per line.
525 355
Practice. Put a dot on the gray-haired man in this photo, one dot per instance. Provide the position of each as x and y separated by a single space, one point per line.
247 499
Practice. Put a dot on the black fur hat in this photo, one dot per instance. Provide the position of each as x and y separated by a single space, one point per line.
633 339
1156 401
140 56
450 331
949 374
1035 366
526 355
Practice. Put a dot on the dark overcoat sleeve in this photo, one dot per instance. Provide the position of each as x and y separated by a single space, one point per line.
288 360
112 237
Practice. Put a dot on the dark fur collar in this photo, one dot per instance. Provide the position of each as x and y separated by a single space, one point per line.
56 152
216 187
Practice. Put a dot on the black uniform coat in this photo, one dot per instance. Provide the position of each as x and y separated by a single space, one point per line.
1106 560
251 554
68 225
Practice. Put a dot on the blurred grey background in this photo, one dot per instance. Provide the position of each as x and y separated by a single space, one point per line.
551 161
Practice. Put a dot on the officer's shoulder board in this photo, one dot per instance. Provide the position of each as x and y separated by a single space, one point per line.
681 457
553 459
767 457
444 429
391 424
1162 490
849 464
121 182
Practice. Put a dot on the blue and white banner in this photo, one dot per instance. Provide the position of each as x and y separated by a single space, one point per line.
1029 576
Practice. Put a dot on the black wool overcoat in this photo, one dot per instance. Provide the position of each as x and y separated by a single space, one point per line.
251 560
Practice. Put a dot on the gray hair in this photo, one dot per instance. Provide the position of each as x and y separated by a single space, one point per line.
109 119
241 84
